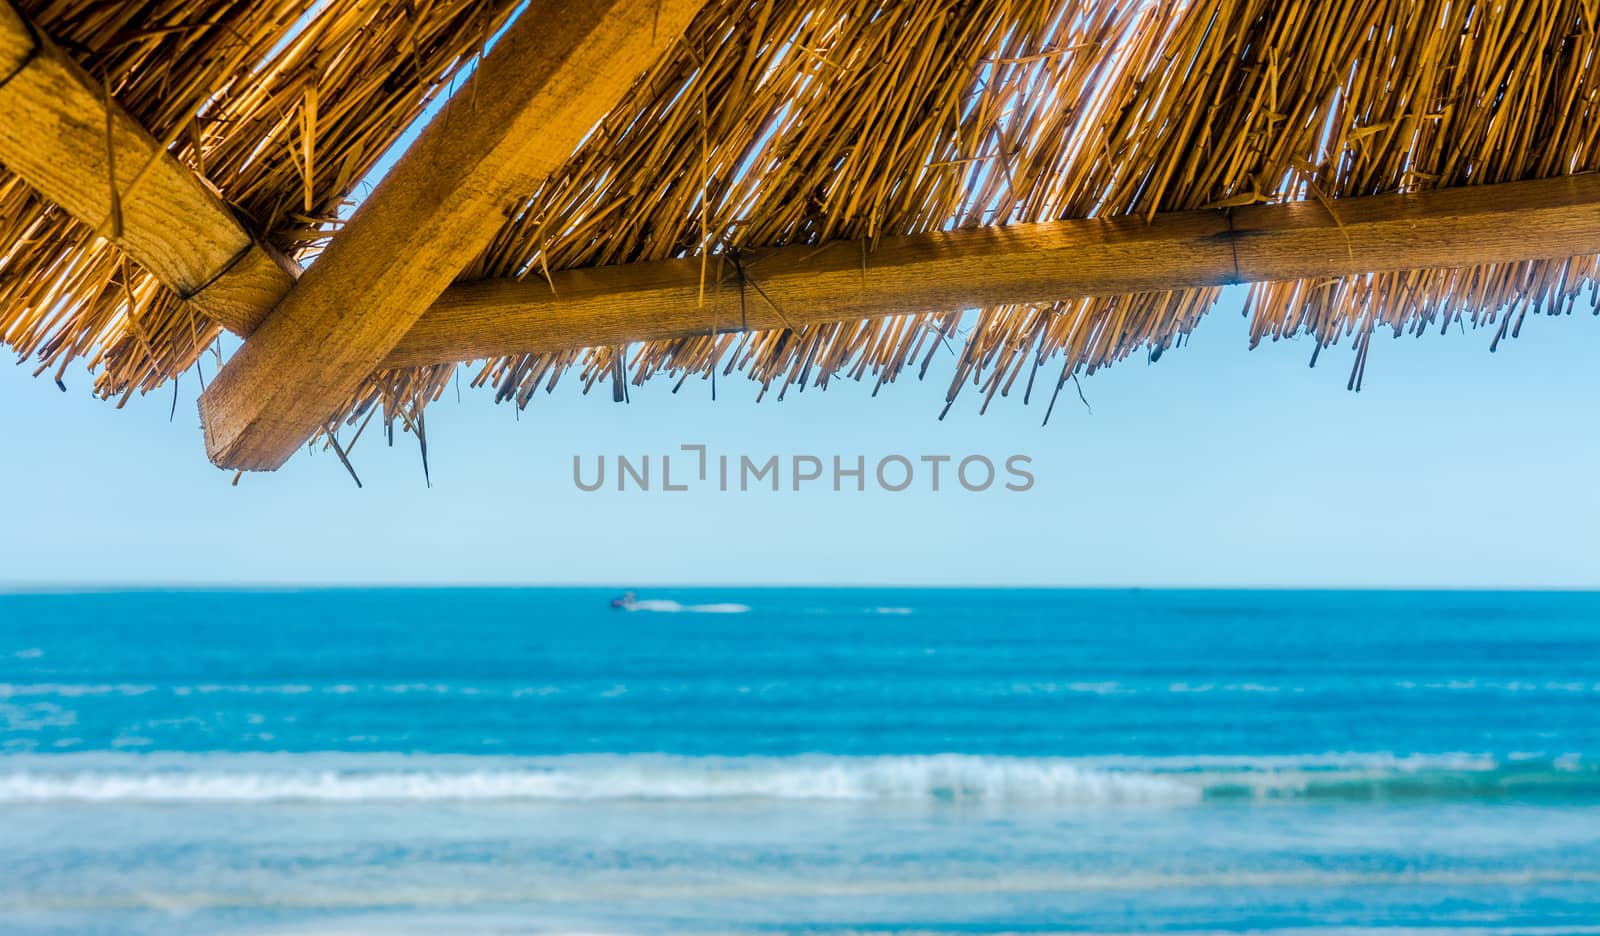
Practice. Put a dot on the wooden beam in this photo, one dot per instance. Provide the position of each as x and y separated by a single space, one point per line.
61 135
555 72
807 284
1019 263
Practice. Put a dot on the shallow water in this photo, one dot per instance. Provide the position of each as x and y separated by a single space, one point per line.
829 761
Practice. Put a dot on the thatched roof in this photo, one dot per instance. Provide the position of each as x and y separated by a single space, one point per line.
769 123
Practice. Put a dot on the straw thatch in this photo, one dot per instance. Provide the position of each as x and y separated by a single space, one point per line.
775 122
227 85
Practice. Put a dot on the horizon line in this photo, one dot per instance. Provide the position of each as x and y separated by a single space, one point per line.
76 588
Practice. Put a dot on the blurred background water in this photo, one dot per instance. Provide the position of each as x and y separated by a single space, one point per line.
753 760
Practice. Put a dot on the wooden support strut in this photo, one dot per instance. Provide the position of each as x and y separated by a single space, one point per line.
61 135
553 74
1019 263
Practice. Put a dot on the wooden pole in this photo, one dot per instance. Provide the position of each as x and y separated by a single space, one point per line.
1047 262
550 78
62 136
806 284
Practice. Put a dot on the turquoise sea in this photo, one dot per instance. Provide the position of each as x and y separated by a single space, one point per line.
825 761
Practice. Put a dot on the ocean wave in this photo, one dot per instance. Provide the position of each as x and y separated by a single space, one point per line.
948 777
999 689
930 779
73 690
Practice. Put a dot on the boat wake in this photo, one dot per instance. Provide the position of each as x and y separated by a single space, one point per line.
673 607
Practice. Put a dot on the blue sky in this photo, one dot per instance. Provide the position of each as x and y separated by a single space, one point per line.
1215 467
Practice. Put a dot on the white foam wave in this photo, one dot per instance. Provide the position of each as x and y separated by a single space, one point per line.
950 778
933 778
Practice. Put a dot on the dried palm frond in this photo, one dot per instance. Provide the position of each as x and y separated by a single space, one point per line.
281 106
801 121
775 122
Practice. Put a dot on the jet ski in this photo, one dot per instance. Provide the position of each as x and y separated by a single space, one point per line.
624 603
